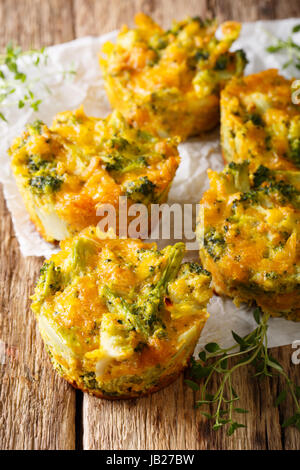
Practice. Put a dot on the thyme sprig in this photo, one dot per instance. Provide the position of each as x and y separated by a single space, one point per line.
288 46
250 350
16 87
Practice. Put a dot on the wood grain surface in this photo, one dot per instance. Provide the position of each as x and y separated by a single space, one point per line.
38 410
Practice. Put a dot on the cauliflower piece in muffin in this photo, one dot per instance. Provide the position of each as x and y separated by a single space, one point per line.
260 123
169 82
66 172
120 318
249 234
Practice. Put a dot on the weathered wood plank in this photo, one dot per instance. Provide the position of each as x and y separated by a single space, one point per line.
37 408
167 420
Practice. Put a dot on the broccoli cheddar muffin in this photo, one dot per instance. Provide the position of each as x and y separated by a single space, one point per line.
249 237
169 81
68 171
120 318
260 123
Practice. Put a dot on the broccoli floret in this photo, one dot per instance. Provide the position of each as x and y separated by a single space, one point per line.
144 315
250 197
126 310
207 82
51 279
112 162
119 143
133 165
194 268
89 380
141 190
203 23
145 136
288 191
222 71
256 119
36 163
158 42
83 249
140 347
199 56
241 61
272 275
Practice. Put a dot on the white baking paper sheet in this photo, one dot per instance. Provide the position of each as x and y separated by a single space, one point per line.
196 156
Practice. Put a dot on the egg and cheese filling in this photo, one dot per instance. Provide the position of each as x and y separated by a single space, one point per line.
120 318
260 123
67 171
169 81
249 237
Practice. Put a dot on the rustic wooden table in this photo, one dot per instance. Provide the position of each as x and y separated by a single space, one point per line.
38 410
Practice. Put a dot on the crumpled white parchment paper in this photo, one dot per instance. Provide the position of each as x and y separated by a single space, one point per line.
196 156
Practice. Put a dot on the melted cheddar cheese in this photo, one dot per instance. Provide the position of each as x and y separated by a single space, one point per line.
249 237
169 81
119 317
66 172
